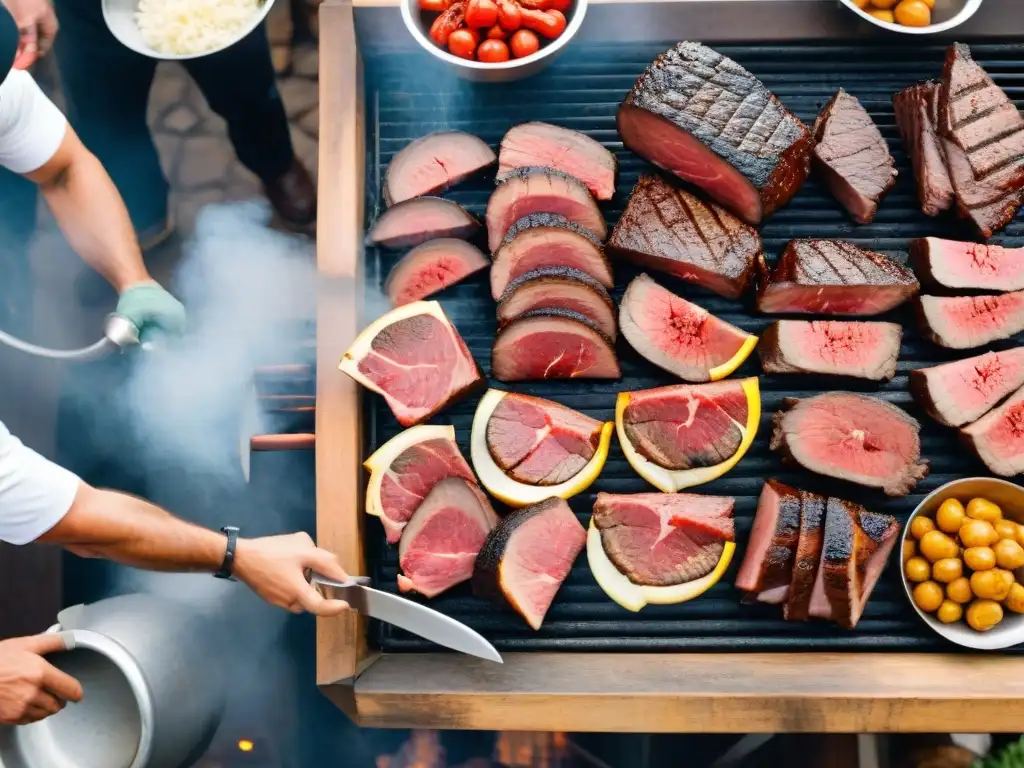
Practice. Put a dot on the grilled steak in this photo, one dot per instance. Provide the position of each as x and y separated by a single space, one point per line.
687 426
443 536
551 146
419 220
852 157
917 114
552 344
547 240
852 437
527 557
415 358
434 163
967 266
678 336
559 288
957 393
768 565
998 437
983 202
981 120
540 190
540 442
706 119
963 322
834 277
835 347
808 555
663 539
432 267
670 230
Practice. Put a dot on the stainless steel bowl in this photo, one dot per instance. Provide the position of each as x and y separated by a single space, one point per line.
951 13
1009 496
503 72
120 18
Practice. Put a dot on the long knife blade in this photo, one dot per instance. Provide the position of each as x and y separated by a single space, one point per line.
412 617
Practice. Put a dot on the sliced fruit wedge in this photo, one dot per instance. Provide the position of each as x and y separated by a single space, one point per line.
519 494
632 596
666 445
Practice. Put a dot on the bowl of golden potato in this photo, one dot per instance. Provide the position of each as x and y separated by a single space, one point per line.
963 562
914 17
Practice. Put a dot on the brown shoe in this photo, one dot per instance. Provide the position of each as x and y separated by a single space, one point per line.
293 195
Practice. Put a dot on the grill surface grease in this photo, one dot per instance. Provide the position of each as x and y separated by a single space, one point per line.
407 98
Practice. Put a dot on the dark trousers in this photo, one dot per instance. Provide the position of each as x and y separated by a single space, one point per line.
107 90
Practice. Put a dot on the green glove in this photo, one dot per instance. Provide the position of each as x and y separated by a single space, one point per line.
153 310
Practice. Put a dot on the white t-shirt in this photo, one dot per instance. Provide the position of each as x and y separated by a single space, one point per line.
35 493
31 126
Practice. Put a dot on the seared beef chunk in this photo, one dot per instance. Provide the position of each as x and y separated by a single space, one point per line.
956 266
835 347
434 163
551 146
998 437
432 267
917 114
963 322
957 393
559 288
553 344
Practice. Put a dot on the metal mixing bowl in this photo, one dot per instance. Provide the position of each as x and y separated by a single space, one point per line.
120 18
503 72
949 14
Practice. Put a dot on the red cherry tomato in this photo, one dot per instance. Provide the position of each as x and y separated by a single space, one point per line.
510 15
492 51
481 13
497 33
536 5
434 6
562 6
560 18
523 43
447 22
543 22
463 42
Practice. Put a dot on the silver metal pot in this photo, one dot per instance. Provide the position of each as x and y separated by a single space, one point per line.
153 690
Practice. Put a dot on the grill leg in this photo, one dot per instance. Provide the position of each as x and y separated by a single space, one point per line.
742 749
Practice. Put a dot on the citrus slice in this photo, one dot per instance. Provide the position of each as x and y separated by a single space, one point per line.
632 596
729 366
683 403
516 493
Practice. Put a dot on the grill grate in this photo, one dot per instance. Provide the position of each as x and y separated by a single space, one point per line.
407 98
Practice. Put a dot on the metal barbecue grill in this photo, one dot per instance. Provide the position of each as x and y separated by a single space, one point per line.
406 99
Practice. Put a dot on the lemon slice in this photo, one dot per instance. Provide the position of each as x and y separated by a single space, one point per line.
512 492
671 481
726 368
632 596
381 460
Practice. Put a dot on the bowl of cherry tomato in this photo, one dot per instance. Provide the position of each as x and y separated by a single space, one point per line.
915 17
494 40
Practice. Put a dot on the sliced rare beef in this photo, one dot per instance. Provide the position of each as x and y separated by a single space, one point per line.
670 230
852 437
547 240
442 538
983 202
421 219
807 557
539 442
527 557
678 336
432 267
552 344
684 427
706 119
953 265
559 288
852 157
415 358
977 116
917 115
957 393
434 163
768 564
998 437
542 145
963 322
540 190
663 539
834 277
864 350
412 475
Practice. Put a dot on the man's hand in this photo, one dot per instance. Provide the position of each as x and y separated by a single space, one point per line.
153 310
275 569
37 26
30 687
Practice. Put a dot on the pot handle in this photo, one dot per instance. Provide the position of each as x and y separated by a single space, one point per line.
68 637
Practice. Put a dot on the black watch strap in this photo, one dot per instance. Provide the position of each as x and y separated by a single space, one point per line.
229 553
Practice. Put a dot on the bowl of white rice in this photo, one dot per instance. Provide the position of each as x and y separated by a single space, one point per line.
182 29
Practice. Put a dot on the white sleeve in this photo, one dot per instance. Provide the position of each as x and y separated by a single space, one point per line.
35 493
31 126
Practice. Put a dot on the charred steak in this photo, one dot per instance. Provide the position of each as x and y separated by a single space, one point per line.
962 322
808 555
706 119
855 348
551 146
998 437
432 267
559 288
984 202
670 230
553 344
768 565
834 277
917 115
952 265
957 393
434 163
419 220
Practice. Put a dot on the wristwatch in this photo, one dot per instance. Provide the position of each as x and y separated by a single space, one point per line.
229 553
